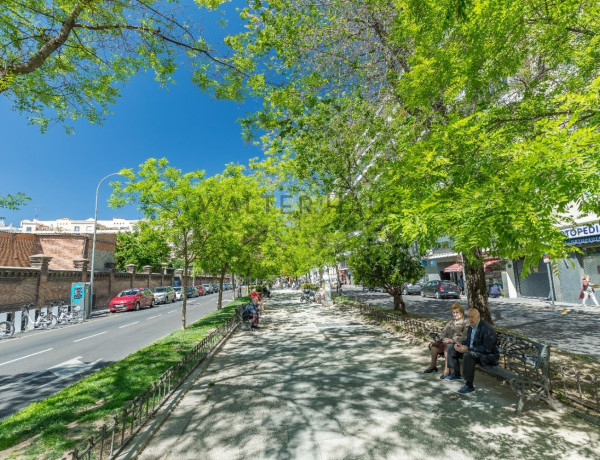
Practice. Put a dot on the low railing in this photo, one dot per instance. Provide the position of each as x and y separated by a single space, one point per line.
413 326
574 387
577 387
110 440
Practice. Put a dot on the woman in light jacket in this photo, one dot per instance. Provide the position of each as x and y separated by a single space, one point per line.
455 331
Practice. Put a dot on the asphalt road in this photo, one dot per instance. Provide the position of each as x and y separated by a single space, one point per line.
576 330
36 365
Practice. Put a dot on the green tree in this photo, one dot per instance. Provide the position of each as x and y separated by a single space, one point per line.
145 247
13 202
65 60
388 264
172 204
244 222
473 119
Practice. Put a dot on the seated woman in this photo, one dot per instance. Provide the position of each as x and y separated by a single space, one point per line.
251 310
455 331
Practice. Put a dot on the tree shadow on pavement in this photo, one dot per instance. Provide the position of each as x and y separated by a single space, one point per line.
320 382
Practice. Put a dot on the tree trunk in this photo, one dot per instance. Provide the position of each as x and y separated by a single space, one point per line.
399 304
338 287
233 285
475 283
220 302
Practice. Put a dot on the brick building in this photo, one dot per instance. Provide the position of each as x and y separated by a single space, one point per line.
17 248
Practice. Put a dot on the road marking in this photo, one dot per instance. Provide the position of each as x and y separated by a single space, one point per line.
68 369
154 316
90 336
172 311
126 325
24 357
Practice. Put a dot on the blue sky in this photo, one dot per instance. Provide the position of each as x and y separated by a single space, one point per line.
60 172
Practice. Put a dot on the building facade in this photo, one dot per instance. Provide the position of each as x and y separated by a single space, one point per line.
66 225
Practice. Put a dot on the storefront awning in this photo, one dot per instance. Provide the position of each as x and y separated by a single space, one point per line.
454 268
492 264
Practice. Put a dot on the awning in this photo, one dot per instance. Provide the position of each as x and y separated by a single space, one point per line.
454 268
488 265
492 264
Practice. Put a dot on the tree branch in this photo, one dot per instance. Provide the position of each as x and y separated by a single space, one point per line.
47 48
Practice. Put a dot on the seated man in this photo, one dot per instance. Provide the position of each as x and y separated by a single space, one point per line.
251 310
494 291
478 348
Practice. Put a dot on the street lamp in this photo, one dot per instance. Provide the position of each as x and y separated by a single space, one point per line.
94 239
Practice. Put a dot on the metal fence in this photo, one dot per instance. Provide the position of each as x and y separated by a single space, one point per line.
112 438
574 387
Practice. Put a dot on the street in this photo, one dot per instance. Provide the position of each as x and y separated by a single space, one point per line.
36 365
576 331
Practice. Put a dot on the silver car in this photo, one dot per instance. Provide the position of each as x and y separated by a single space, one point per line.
164 294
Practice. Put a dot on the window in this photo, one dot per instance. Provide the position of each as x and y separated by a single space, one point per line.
76 228
27 229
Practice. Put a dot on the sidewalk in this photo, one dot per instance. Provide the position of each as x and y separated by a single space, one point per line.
323 383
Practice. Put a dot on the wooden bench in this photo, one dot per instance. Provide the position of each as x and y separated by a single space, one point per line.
524 364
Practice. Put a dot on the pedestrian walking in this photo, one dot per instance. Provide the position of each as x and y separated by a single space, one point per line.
587 291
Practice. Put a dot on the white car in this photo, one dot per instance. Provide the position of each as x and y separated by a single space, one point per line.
164 294
178 294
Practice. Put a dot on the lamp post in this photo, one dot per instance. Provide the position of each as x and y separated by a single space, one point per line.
94 239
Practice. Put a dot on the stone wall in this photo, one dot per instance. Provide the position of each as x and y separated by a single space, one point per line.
39 284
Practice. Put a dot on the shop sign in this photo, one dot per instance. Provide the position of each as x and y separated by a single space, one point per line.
582 231
589 239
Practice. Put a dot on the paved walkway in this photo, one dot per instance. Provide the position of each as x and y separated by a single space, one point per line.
323 383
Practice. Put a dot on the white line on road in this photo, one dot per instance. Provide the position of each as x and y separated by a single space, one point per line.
130 324
156 316
28 356
172 311
90 336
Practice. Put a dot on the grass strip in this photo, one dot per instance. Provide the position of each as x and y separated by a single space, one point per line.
62 421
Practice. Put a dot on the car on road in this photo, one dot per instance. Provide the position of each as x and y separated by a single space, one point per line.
200 289
192 292
178 293
132 299
440 289
412 288
164 294
208 288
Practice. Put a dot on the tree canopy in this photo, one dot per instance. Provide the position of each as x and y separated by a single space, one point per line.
66 60
473 119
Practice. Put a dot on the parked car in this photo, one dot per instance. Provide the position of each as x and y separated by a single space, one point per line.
132 299
412 288
440 289
200 289
178 293
215 287
208 288
164 294
226 286
192 292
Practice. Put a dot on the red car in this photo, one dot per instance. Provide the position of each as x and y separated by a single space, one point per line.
200 290
132 299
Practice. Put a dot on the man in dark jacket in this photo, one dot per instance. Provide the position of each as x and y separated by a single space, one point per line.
479 347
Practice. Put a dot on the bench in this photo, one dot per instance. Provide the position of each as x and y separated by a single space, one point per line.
524 364
245 324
